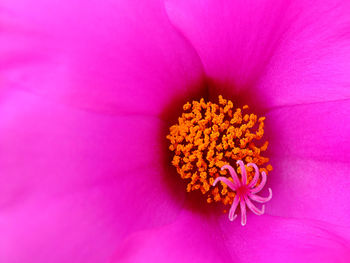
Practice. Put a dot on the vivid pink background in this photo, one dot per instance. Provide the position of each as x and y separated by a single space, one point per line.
88 89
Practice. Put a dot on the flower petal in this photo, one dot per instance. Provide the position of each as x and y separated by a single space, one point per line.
311 190
192 238
310 152
318 131
312 61
263 239
110 56
234 48
278 52
276 239
74 183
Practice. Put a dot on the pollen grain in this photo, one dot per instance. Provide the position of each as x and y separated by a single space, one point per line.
209 136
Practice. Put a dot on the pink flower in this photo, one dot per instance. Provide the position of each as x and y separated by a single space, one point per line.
89 89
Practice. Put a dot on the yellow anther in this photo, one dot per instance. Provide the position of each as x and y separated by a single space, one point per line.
208 136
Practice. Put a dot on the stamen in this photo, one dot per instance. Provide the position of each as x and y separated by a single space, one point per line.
233 208
260 199
245 192
243 172
256 176
226 181
261 185
233 175
243 213
207 139
253 208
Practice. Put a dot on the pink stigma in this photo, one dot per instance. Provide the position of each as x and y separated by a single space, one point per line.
245 193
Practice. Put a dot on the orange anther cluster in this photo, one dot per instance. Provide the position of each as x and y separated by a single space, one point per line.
208 136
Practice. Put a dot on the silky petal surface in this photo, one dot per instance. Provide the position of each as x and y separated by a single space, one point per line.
278 52
74 183
276 239
309 151
311 190
110 56
319 131
264 239
82 162
191 238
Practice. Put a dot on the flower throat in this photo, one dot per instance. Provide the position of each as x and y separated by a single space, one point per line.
210 136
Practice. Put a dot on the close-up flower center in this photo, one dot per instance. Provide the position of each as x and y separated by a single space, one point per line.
210 140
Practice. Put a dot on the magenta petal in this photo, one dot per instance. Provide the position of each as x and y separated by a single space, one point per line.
74 183
264 239
310 154
311 189
110 56
191 238
234 39
318 131
281 52
312 60
276 239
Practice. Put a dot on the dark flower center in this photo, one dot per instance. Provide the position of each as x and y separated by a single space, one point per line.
208 136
